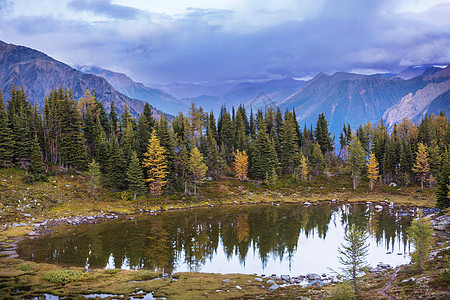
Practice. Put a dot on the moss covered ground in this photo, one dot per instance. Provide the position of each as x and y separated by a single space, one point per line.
69 195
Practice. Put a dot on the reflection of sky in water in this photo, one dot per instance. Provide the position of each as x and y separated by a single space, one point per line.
313 255
200 240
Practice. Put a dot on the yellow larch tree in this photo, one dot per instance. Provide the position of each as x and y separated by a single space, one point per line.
422 165
156 165
372 170
304 167
241 165
197 168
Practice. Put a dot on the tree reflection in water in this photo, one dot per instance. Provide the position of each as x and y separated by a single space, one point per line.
190 239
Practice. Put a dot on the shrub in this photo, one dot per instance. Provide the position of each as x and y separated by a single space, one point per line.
25 268
64 276
145 275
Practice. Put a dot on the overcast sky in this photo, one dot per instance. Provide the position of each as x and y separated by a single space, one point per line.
161 41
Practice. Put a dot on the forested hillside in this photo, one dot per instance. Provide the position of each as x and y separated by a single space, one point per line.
70 135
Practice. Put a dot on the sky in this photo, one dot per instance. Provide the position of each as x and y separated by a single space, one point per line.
163 41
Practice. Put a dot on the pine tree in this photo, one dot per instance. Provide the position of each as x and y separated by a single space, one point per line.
241 165
94 175
197 168
422 165
443 186
353 255
156 165
420 233
135 178
6 146
372 170
356 159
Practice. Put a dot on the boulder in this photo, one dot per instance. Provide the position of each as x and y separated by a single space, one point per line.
441 223
285 277
378 207
270 281
273 287
313 276
258 279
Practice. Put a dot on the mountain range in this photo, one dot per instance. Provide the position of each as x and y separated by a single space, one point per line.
342 97
38 74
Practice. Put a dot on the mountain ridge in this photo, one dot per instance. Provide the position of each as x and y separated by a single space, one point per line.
39 73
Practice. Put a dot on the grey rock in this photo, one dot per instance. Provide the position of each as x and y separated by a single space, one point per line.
378 207
238 287
273 287
258 279
226 280
313 276
316 283
285 277
441 223
270 281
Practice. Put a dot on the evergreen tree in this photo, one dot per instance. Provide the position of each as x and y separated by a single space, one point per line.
271 177
197 168
290 154
116 167
322 134
156 164
264 157
241 165
6 144
443 186
356 159
420 233
372 170
353 255
145 126
94 175
422 165
406 160
113 121
135 178
165 138
37 163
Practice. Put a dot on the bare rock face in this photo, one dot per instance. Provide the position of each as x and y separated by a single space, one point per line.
38 74
414 105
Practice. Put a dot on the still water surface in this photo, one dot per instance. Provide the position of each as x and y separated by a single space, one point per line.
263 239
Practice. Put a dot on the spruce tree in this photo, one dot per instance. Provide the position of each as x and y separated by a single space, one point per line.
443 186
116 167
135 178
353 255
304 168
6 146
290 154
264 157
322 134
37 163
94 175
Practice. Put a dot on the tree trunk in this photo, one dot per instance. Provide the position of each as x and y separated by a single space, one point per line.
421 184
134 195
195 188
354 182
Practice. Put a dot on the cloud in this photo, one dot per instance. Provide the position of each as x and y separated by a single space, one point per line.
205 44
105 8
